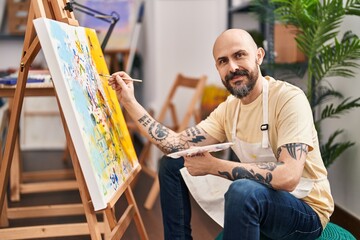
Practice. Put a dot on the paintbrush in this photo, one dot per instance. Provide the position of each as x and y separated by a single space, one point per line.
130 79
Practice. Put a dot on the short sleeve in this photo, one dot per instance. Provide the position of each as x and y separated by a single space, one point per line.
295 120
214 124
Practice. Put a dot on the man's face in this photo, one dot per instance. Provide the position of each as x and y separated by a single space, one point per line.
236 57
241 88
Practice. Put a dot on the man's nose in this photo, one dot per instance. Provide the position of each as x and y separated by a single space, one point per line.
233 66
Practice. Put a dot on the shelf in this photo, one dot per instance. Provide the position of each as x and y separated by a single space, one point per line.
11 37
239 6
239 9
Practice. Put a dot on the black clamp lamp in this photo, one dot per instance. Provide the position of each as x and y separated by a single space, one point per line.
112 19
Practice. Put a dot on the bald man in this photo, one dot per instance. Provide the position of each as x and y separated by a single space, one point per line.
279 189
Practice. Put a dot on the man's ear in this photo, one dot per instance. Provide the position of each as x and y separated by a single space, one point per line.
260 54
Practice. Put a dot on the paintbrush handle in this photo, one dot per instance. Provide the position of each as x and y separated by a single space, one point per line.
130 79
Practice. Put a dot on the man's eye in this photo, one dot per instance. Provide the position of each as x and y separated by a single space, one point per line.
238 55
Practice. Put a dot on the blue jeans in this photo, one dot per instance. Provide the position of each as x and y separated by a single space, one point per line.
252 210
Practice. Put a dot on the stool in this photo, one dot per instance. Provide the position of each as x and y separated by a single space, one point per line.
332 231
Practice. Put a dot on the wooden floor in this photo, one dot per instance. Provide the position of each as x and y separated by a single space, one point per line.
203 227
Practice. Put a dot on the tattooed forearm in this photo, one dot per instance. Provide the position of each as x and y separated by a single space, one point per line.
296 150
194 134
167 140
170 146
193 131
161 135
157 131
183 141
145 120
241 172
267 165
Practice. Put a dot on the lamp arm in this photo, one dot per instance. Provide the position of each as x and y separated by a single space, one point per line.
108 34
112 19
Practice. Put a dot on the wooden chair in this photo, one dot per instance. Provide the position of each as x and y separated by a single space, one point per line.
192 110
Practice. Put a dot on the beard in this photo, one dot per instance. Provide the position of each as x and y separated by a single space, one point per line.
244 90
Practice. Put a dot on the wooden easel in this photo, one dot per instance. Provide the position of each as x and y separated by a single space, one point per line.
111 227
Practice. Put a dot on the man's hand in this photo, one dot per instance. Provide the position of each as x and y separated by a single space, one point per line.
200 164
124 88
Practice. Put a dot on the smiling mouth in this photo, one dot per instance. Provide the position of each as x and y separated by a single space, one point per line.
237 80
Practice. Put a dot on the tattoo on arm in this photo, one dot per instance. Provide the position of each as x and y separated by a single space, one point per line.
241 172
195 134
171 145
295 150
166 141
145 120
157 131
267 165
190 137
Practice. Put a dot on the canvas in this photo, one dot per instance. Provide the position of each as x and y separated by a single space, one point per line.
92 112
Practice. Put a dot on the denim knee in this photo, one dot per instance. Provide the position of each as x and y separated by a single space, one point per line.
168 165
242 190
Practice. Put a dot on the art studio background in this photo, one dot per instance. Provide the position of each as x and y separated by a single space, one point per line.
176 37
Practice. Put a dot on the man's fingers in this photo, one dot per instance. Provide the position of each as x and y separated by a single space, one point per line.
120 81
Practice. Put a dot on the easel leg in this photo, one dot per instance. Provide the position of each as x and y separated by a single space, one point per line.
84 194
4 222
15 172
137 218
107 230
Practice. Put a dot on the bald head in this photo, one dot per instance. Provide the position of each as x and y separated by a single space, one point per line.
231 36
238 60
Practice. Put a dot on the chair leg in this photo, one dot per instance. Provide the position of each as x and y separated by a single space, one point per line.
153 194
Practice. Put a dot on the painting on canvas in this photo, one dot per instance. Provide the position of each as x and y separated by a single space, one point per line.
92 113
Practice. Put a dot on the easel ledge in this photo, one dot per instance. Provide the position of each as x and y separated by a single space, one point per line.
111 227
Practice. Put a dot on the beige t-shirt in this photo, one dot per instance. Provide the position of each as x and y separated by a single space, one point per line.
290 121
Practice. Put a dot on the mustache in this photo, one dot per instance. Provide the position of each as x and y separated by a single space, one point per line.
231 75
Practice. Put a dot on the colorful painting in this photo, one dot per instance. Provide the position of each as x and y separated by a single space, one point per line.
92 112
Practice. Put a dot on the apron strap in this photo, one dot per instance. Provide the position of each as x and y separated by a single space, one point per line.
265 126
233 131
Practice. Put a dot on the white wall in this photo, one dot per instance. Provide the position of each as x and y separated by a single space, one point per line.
179 36
10 53
344 173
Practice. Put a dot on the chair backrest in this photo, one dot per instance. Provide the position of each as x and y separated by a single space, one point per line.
181 81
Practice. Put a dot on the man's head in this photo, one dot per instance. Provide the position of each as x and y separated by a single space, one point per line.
237 59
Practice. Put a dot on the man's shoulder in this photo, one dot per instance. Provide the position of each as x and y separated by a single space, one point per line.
283 89
286 94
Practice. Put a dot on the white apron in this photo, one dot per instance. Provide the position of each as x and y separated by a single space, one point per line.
209 190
